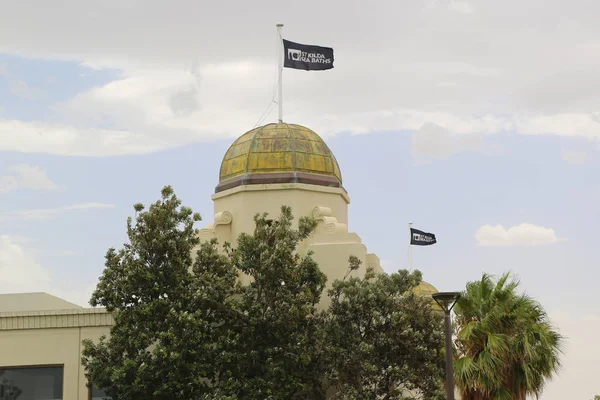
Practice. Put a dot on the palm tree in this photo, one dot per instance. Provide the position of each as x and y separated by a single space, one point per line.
506 347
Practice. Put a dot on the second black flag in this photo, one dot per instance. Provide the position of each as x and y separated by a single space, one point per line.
420 238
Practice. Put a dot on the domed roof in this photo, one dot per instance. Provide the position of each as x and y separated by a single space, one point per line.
279 153
425 289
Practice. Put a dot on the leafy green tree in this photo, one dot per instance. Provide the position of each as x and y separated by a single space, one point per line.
276 350
386 342
185 328
160 345
506 345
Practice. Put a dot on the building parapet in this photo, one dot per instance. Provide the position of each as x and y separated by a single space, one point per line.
75 318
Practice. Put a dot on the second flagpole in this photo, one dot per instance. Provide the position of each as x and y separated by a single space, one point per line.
280 73
409 246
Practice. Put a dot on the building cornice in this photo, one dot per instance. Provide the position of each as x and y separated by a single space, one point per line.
283 186
75 318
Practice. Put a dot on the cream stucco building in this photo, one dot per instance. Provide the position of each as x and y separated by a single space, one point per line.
283 164
40 347
270 166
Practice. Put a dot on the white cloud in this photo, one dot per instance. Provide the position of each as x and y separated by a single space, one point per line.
574 157
25 176
39 137
21 273
460 6
520 235
471 68
433 141
49 213
160 109
564 124
578 378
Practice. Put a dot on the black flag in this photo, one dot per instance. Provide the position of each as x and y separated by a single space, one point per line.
420 238
307 57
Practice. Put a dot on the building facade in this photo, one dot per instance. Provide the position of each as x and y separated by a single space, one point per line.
40 342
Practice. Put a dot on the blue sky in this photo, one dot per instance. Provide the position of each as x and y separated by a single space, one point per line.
476 122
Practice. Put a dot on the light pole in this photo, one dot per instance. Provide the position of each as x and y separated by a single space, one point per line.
447 300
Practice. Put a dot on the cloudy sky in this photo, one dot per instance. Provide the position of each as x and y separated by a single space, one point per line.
476 120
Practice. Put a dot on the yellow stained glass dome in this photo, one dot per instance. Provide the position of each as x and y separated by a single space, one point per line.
279 153
425 289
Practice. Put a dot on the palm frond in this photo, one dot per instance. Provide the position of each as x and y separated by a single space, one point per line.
506 345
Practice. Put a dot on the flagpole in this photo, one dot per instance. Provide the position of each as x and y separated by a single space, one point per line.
280 74
409 247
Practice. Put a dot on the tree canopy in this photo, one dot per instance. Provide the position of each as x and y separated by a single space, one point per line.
187 328
506 346
386 342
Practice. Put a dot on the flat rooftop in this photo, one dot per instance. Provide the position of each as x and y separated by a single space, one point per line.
25 302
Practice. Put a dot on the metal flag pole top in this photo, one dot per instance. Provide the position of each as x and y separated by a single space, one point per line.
280 73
